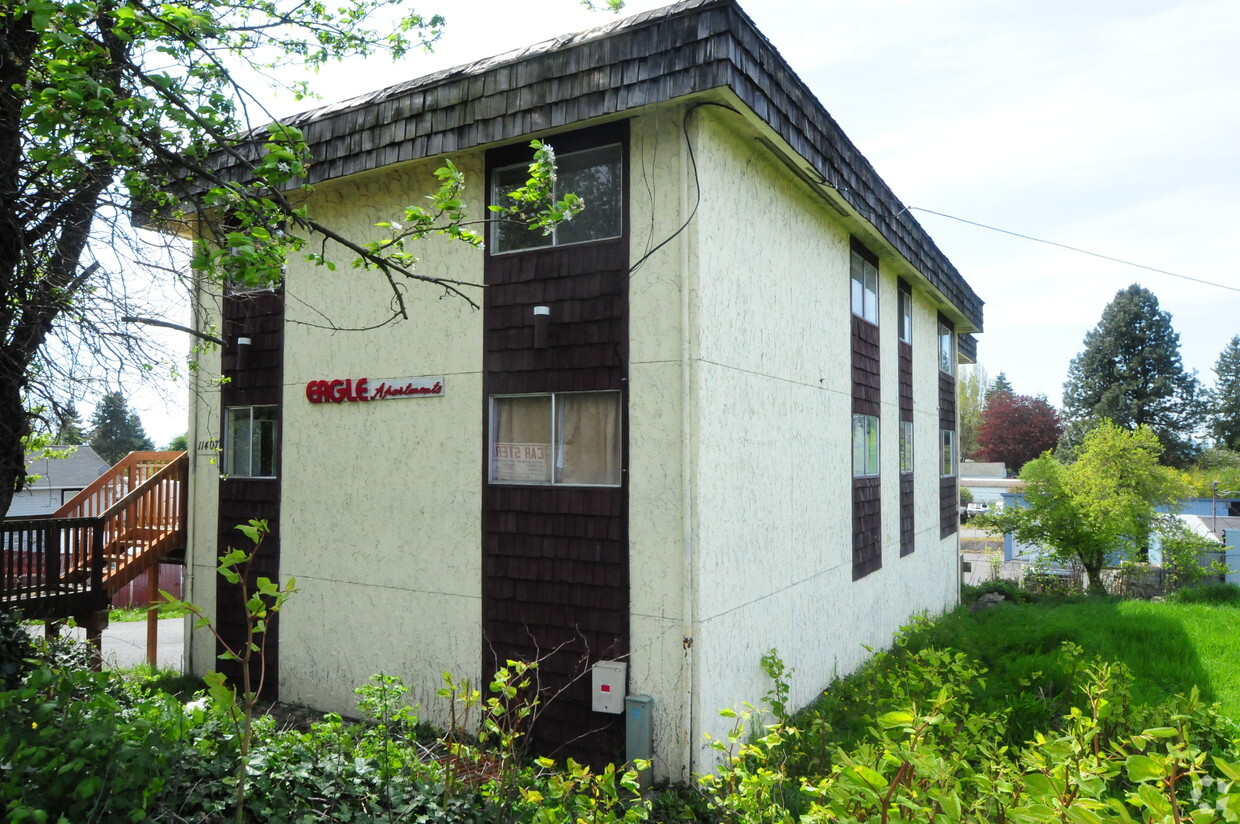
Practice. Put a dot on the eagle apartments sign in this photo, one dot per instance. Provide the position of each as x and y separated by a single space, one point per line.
364 390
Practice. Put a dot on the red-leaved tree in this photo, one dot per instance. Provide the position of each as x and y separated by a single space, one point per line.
1016 429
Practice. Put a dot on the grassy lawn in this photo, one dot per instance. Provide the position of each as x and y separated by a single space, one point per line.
1169 647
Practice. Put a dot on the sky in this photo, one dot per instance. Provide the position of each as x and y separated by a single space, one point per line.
1112 126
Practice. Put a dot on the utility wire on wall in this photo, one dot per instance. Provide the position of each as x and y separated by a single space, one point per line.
1075 249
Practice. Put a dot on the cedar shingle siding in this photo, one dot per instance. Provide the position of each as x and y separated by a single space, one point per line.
905 377
866 400
949 499
255 379
555 558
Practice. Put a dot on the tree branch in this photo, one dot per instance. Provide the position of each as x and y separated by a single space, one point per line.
176 326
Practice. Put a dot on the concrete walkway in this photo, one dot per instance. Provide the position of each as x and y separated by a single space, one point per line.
124 644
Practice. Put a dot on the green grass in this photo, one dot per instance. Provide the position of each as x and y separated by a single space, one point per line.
130 614
183 685
1169 648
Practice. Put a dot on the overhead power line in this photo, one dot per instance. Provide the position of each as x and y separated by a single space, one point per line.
1076 249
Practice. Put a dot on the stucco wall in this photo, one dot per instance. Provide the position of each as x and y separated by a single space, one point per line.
739 435
658 444
204 437
380 501
771 400
381 507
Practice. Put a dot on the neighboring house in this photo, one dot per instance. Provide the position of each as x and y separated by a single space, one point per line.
59 478
1216 519
711 416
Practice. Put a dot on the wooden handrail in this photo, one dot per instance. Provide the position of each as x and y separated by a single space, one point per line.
160 475
123 477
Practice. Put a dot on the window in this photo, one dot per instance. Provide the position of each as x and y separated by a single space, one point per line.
947 349
906 316
865 446
947 453
250 441
906 446
570 438
864 288
595 175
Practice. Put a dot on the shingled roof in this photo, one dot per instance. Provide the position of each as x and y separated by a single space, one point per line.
682 49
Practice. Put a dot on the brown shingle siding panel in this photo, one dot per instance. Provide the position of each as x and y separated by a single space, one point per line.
867 526
907 514
568 544
949 511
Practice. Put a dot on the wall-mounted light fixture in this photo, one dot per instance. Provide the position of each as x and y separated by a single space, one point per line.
542 325
243 347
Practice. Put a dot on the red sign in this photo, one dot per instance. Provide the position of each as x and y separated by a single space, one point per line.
363 390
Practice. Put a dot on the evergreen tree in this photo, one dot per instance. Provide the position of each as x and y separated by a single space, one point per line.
69 432
1130 372
1225 399
117 431
1000 385
970 400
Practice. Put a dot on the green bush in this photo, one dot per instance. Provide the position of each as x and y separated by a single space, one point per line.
16 651
1010 590
79 746
1213 592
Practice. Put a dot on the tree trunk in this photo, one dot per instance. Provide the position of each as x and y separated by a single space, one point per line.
14 426
1094 573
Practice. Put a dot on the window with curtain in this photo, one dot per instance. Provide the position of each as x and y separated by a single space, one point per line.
250 441
563 438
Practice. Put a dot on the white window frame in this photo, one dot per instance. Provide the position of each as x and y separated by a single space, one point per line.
947 453
230 447
865 445
555 456
863 283
947 349
552 238
906 446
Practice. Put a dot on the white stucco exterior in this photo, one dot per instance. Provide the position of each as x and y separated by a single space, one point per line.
739 446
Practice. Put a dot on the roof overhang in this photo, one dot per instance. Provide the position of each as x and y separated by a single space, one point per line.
668 54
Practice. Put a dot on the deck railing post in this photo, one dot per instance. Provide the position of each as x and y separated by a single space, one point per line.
99 597
53 538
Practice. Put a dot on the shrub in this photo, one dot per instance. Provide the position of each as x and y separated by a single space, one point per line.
1213 592
1010 590
80 746
16 651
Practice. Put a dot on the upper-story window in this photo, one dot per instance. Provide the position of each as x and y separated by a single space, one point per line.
250 441
864 287
906 316
947 349
947 452
595 175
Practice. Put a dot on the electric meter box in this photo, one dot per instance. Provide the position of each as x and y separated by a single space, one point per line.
609 686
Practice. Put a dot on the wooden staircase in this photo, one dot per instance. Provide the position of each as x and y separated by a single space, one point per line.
69 564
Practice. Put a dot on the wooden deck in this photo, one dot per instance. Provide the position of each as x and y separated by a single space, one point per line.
127 521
